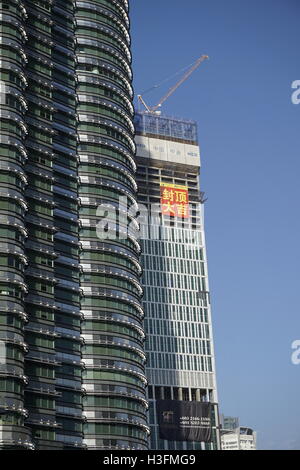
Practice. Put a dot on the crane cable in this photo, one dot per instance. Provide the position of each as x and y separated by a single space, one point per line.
167 79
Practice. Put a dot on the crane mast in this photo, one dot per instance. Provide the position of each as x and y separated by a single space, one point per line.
173 88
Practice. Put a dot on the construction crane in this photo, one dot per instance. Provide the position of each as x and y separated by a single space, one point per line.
173 88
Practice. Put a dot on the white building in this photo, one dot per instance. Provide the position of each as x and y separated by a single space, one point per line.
241 438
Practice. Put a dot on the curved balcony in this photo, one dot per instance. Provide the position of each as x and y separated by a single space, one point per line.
112 311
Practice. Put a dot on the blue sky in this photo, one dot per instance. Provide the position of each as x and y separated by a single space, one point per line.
249 138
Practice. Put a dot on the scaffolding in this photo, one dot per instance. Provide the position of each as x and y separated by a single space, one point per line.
164 126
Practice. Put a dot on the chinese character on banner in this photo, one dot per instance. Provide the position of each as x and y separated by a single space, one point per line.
174 200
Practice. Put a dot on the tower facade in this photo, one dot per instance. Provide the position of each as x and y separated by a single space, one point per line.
113 379
179 346
71 337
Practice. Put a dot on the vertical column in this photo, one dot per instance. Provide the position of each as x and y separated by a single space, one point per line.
53 364
13 208
114 405
67 292
40 361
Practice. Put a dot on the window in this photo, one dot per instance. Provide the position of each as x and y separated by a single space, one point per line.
45 114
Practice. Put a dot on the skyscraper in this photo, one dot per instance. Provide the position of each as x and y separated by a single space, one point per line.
179 346
41 344
71 337
113 379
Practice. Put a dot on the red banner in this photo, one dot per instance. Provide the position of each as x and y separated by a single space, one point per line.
174 200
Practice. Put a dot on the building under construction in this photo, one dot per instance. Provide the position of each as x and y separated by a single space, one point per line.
182 392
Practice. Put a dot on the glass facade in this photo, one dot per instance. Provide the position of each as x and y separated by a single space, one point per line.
113 379
13 233
71 337
179 345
